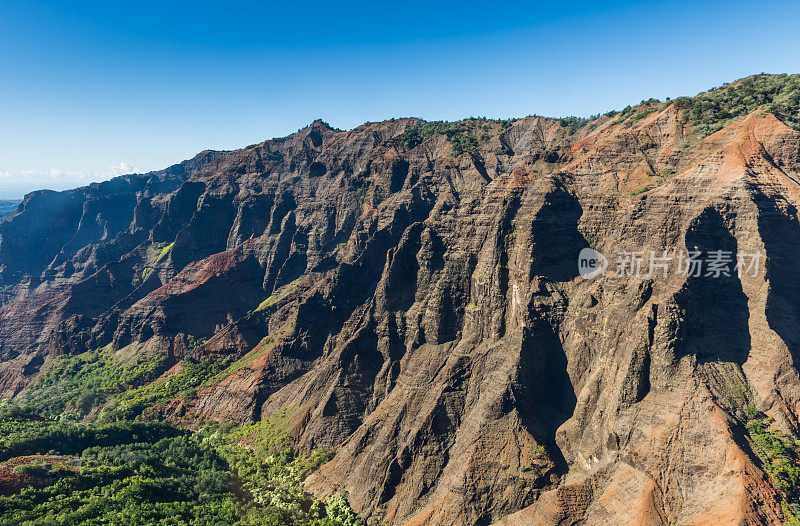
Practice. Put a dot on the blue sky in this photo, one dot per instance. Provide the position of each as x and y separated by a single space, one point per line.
95 89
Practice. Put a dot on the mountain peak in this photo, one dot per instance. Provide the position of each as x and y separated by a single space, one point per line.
409 295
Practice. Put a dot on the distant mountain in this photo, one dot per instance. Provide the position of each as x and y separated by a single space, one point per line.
407 296
8 206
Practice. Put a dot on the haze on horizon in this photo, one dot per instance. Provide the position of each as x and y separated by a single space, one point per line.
94 89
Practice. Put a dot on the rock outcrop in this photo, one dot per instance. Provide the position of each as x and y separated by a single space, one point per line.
422 313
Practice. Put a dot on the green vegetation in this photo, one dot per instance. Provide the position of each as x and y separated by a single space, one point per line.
626 112
273 475
540 453
270 473
456 132
641 115
155 253
147 473
715 109
780 458
706 113
163 252
275 298
259 350
72 386
133 402
779 454
655 179
630 115
117 474
791 514
269 435
464 136
122 470
24 433
573 124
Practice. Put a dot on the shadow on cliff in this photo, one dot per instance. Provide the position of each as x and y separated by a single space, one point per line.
545 393
780 233
548 398
556 241
715 309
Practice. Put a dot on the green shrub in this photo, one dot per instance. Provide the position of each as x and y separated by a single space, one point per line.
573 124
149 473
77 384
711 111
642 114
133 402
464 136
779 455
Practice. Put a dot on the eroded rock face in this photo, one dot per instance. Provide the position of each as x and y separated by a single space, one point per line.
423 316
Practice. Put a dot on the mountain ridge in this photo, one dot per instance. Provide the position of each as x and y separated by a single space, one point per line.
409 293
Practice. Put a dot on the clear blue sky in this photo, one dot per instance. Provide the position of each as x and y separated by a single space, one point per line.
93 89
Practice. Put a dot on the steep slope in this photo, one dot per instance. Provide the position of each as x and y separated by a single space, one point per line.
409 292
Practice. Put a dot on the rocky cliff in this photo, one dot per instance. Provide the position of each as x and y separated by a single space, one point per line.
409 293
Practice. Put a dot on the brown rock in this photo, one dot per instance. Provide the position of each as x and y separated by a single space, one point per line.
424 316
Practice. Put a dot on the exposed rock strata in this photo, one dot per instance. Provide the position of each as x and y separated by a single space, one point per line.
426 319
